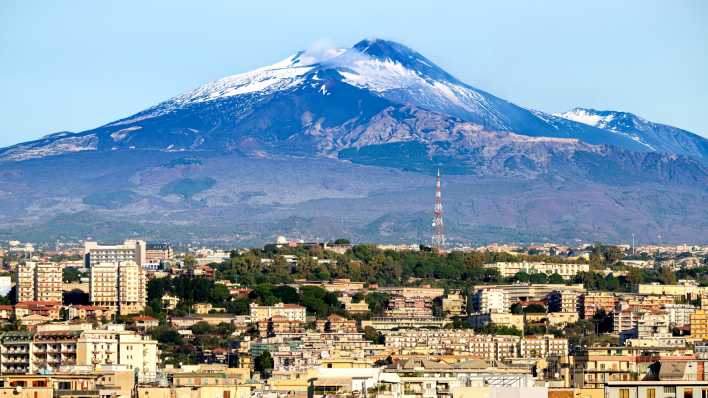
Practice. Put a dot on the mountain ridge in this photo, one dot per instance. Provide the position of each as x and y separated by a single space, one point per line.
352 135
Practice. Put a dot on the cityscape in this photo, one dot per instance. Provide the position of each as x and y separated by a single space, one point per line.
334 318
312 199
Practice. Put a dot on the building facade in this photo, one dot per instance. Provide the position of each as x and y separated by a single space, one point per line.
39 282
118 286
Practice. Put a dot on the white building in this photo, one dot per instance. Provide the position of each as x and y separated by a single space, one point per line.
679 314
492 300
130 250
5 285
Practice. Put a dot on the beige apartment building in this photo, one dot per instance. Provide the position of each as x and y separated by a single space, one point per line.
49 350
118 286
115 345
567 271
291 312
39 282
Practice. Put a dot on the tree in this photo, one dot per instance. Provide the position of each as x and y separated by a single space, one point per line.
522 276
70 275
342 241
516 308
76 297
556 279
604 321
535 309
264 364
373 335
202 328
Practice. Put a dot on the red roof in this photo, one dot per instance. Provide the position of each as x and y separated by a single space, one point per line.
144 318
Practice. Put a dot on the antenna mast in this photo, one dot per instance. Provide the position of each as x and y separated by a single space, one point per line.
438 242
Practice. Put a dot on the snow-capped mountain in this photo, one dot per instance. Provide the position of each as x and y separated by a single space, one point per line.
655 136
346 89
354 134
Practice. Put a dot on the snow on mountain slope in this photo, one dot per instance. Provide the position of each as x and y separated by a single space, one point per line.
659 137
274 104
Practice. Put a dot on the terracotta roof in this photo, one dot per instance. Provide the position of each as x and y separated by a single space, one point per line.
144 318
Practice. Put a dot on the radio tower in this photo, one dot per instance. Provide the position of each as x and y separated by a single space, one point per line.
438 231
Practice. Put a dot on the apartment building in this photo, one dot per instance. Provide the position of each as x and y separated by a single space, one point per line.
39 282
679 314
531 292
492 300
543 347
119 286
567 271
685 288
596 301
130 250
47 350
409 307
565 300
291 312
156 253
657 389
454 303
699 325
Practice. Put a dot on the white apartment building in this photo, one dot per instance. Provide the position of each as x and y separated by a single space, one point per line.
130 250
118 286
653 324
679 314
492 300
567 271
39 282
291 312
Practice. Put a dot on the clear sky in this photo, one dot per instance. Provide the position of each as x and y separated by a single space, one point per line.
76 65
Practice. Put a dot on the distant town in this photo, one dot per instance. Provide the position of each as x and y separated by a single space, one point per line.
298 319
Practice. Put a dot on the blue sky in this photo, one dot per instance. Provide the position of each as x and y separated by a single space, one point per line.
76 65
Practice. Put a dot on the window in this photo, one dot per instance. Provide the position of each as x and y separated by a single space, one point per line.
651 392
688 393
669 389
624 393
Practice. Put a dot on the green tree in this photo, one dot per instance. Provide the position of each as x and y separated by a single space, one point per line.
535 309
263 364
556 279
71 275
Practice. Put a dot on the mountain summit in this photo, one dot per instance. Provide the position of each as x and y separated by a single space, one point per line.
351 133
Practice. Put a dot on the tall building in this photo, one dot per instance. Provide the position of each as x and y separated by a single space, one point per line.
118 286
39 282
699 325
492 300
130 250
